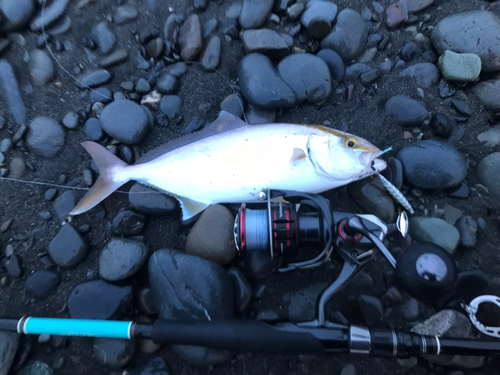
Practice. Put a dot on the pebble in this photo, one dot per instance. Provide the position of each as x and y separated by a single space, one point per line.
41 67
294 11
93 78
488 93
318 18
155 47
300 304
373 40
434 230
103 37
425 74
212 236
114 353
491 138
128 223
64 204
372 309
16 14
209 27
145 302
210 57
190 38
261 85
467 227
156 366
471 284
370 77
488 171
200 5
61 27
411 310
101 94
397 14
234 10
461 107
41 284
459 34
170 32
334 62
45 137
431 164
415 6
98 299
256 115
255 13
50 194
36 368
67 248
233 104
142 86
177 69
51 13
348 369
410 51
197 123
459 67
150 201
12 264
461 191
115 58
371 195
368 56
171 105
407 111
125 120
242 290
441 125
17 167
308 76
392 297
267 42
207 295
125 14
394 172
348 37
45 215
71 120
9 342
10 92
166 84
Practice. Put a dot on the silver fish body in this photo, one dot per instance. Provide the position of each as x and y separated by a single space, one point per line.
231 162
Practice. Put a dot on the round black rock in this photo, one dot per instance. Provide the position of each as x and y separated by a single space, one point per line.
128 223
171 105
13 266
407 111
101 94
98 299
166 84
431 164
441 125
242 290
150 201
93 129
114 353
42 284
334 62
45 137
68 248
125 121
121 258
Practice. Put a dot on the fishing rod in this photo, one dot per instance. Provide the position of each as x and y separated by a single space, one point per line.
284 228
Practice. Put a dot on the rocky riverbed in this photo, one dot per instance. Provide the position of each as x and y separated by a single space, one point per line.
422 76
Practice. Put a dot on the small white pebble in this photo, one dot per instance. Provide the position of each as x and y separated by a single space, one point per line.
9 250
43 338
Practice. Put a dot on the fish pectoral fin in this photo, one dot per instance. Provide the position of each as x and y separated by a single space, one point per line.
190 207
297 156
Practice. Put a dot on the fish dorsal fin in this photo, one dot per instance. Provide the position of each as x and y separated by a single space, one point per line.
225 122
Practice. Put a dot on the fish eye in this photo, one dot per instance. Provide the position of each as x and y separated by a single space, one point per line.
350 142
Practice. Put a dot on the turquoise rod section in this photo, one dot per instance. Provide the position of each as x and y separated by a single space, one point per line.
77 327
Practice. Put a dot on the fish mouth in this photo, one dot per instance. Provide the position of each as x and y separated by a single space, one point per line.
369 160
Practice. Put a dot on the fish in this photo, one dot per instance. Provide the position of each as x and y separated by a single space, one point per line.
230 162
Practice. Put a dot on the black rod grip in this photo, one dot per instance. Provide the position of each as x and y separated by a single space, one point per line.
251 336
469 346
9 325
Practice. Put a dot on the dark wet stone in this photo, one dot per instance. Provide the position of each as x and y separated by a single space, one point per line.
60 27
42 284
242 290
93 78
4 45
394 172
41 67
258 265
371 195
125 14
154 202
301 304
125 121
210 57
372 309
195 124
45 137
209 27
166 84
425 74
355 70
392 297
407 111
101 94
370 77
71 120
200 5
9 342
126 154
190 39
10 92
432 164
255 13
293 12
145 302
50 194
122 258
397 14
142 86
410 51
267 42
411 310
461 107
103 37
155 47
127 86
115 58
471 284
16 14
98 299
13 266
488 93
259 116
171 105
445 91
67 248
50 14
93 129
461 191
212 236
233 104
230 27
170 32
319 12
373 40
177 69
128 223
348 37
113 353
207 295
36 368
334 62
156 366
434 230
45 215
467 227
441 125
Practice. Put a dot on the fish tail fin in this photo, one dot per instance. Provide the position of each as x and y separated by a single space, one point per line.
109 178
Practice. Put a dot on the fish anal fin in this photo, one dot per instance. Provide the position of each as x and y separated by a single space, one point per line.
297 156
190 207
225 121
